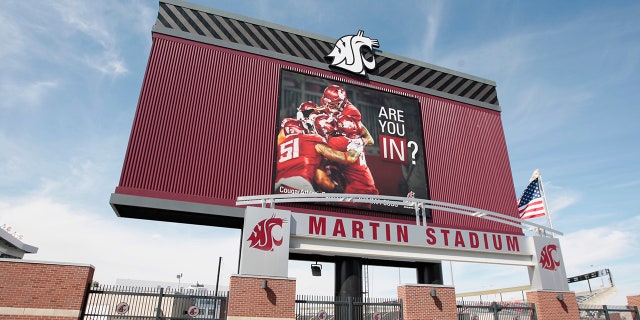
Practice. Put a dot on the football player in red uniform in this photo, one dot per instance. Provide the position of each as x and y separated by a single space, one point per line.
301 121
358 177
297 159
301 153
335 98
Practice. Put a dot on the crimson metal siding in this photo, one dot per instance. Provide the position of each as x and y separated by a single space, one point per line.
205 125
468 163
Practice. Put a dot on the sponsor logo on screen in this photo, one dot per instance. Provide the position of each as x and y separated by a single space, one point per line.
348 53
262 237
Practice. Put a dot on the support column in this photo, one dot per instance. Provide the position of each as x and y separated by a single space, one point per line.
261 298
429 273
428 302
348 278
555 305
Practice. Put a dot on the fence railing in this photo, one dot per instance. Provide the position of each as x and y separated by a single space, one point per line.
336 308
604 312
117 302
478 310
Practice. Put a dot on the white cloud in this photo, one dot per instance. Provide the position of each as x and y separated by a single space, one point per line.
16 94
107 63
559 198
11 36
423 48
120 248
596 246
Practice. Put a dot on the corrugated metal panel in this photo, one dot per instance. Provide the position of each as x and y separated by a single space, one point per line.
201 122
467 162
205 125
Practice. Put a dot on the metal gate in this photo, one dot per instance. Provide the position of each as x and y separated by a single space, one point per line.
604 312
470 310
332 308
121 303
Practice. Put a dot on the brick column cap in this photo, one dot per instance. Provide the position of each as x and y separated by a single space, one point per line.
552 291
427 285
47 262
261 277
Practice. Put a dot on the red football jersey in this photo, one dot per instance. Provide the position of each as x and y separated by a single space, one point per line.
297 156
357 175
353 112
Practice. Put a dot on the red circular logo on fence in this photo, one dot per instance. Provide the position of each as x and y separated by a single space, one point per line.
122 308
322 315
193 311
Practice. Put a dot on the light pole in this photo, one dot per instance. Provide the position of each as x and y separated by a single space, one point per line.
218 277
179 276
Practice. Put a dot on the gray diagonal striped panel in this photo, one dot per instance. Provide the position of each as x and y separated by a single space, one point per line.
189 20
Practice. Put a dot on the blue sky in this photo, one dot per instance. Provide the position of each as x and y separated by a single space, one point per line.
567 80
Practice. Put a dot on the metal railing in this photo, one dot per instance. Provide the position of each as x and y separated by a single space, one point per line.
604 312
420 205
474 310
335 308
118 302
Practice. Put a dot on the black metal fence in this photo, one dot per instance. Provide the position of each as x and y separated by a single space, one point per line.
474 310
333 308
122 303
604 312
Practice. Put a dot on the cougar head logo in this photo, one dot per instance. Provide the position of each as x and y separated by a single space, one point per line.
347 53
547 260
262 238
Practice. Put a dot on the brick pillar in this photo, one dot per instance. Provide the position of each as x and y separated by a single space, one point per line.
419 304
549 307
249 301
633 301
42 290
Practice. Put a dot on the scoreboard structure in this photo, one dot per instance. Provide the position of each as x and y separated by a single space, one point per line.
227 100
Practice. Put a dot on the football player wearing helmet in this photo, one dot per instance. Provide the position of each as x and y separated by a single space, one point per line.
335 99
290 126
301 153
297 163
358 177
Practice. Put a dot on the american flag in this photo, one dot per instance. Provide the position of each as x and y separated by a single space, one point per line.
530 204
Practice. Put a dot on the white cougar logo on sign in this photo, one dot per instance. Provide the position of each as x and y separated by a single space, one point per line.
347 53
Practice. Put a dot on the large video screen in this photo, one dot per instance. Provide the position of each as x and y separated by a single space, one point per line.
335 137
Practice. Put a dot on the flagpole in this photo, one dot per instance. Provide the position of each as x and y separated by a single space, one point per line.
536 174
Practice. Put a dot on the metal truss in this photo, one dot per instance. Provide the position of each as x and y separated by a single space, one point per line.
419 205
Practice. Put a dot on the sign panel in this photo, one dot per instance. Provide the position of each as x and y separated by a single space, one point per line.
328 227
265 237
548 271
342 138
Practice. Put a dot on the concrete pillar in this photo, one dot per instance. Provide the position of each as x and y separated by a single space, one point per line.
555 305
428 302
261 298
